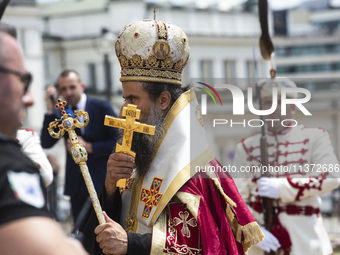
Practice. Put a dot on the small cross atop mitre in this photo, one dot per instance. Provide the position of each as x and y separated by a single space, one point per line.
130 125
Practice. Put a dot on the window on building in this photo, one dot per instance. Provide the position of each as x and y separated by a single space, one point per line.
206 69
251 65
336 48
47 66
21 39
92 79
336 66
280 51
325 67
186 75
306 50
230 71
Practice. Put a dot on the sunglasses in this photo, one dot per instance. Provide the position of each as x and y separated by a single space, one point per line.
26 78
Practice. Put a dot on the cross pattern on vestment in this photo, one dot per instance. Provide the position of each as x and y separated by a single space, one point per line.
183 219
151 197
128 185
130 125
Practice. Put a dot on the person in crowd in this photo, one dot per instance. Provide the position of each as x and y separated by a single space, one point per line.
25 223
294 194
97 139
27 138
165 206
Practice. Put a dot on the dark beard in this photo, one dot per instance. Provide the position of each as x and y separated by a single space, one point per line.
145 145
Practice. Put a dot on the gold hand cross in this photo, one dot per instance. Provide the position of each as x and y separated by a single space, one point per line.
130 125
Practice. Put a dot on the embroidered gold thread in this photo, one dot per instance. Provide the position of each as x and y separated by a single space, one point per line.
152 72
162 31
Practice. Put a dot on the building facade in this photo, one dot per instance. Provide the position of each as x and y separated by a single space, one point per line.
26 17
65 34
220 41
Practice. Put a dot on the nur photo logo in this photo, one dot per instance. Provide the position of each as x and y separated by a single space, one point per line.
243 96
204 97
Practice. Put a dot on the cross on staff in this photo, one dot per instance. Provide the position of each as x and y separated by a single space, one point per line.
130 125
78 151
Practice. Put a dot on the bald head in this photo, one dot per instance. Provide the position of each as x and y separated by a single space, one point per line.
3 49
10 53
4 58
10 49
9 29
12 109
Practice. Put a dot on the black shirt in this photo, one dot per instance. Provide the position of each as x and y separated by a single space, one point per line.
22 193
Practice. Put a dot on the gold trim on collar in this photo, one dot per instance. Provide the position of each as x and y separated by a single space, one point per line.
159 234
181 178
134 202
185 99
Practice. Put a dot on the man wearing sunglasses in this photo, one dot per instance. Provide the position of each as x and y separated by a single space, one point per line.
28 139
23 211
97 139
26 78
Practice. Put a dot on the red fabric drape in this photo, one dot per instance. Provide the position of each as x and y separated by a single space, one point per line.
216 233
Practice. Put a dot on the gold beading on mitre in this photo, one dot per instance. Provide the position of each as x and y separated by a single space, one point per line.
152 51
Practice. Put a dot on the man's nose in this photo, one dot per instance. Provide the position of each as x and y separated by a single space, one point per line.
27 99
121 109
68 92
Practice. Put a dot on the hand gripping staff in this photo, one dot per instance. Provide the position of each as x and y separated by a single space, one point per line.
78 152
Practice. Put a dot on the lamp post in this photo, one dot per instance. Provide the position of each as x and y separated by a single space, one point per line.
105 43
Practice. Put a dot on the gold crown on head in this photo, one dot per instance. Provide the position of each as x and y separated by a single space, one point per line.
152 51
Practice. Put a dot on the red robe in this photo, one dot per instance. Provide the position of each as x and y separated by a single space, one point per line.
208 230
186 212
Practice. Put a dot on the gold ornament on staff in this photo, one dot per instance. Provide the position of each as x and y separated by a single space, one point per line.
130 125
78 151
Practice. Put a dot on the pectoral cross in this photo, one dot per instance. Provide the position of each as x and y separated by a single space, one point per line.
130 125
151 197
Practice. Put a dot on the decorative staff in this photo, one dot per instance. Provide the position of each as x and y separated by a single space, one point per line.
3 5
267 50
129 125
78 152
154 12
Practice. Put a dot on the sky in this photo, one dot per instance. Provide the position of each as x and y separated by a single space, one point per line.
224 4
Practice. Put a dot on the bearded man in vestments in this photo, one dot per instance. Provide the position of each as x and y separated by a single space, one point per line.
166 207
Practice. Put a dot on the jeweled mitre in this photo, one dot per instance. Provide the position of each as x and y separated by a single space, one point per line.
152 51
